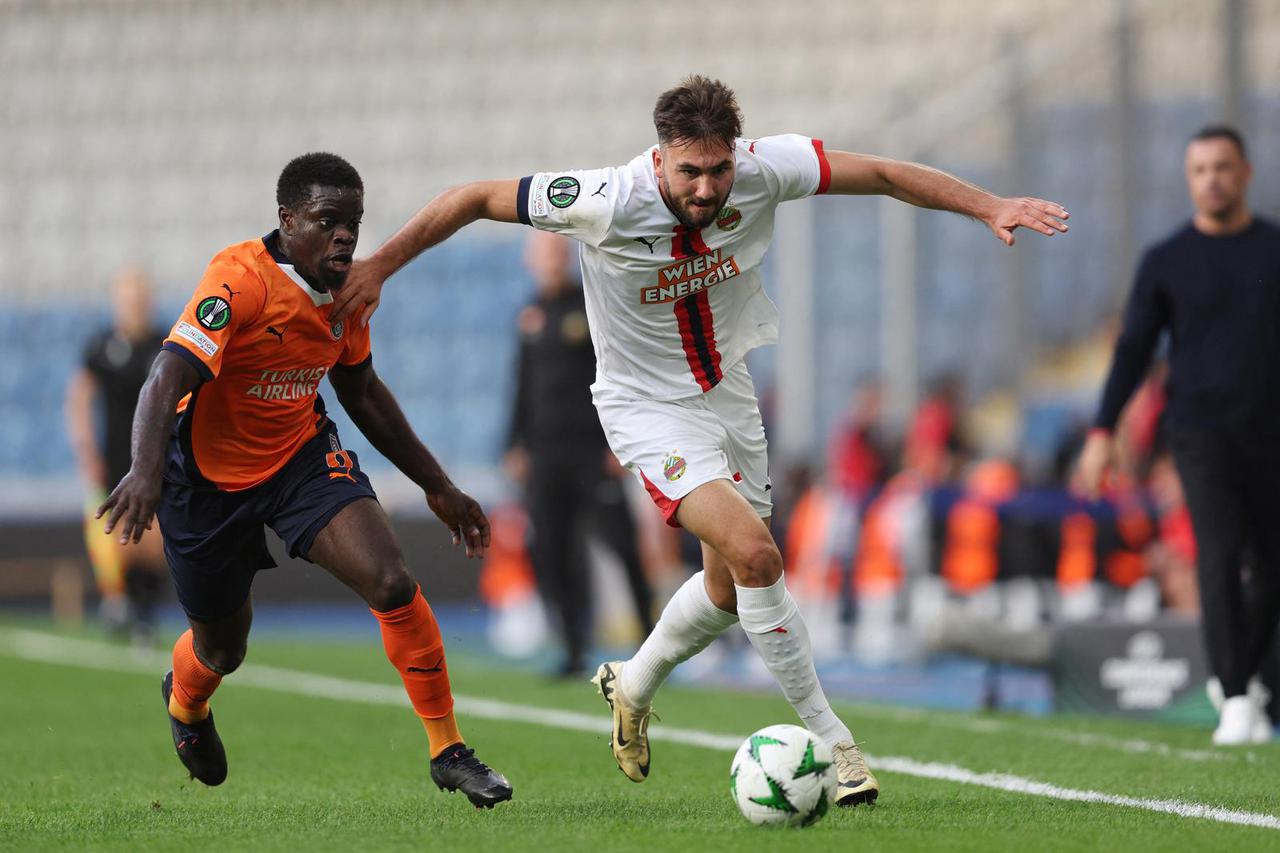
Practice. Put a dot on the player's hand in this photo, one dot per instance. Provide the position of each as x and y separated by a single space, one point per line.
464 518
1037 214
362 289
1095 460
132 506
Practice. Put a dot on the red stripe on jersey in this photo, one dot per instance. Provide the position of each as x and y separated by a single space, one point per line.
684 309
703 302
824 168
679 235
694 318
695 237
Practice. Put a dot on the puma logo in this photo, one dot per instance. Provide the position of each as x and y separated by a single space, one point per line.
231 294
436 668
279 333
600 192
648 244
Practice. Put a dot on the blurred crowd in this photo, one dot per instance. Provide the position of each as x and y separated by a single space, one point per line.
915 528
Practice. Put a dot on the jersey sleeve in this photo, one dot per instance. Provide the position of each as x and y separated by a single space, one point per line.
227 298
357 349
577 204
794 166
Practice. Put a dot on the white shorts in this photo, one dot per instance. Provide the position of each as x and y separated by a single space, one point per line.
674 446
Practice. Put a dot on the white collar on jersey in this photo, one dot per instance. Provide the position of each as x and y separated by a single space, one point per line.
317 298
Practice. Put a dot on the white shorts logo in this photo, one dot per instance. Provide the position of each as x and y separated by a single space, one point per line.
197 337
674 466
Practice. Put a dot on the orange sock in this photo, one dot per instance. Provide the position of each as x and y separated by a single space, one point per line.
193 682
442 732
415 648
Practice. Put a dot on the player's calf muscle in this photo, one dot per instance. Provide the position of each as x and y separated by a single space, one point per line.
719 583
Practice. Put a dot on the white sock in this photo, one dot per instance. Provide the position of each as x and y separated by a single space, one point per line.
688 625
775 627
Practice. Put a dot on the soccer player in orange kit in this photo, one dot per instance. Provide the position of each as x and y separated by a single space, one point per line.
230 434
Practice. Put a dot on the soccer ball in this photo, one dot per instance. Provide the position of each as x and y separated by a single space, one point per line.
782 775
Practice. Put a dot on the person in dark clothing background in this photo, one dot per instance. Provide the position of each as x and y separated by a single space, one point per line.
101 397
1214 286
557 451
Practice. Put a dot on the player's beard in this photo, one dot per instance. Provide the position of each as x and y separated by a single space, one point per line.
688 215
692 216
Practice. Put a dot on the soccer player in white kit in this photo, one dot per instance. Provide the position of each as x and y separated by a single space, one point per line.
672 244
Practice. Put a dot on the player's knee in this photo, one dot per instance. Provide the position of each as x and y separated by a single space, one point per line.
225 659
759 564
394 588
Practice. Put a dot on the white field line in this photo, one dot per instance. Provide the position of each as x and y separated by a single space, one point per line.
49 648
1089 739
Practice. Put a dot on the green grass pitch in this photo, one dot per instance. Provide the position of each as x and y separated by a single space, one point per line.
87 764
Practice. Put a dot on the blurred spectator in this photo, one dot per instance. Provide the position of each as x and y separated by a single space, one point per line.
557 451
858 465
518 624
858 450
1138 430
970 558
1171 557
101 397
933 443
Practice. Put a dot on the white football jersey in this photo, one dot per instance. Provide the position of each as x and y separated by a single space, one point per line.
672 309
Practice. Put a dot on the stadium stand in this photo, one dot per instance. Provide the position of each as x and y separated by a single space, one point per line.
166 147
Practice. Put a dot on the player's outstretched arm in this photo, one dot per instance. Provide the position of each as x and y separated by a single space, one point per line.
923 186
374 410
445 214
133 502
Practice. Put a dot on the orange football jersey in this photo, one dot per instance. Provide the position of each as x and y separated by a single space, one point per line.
261 339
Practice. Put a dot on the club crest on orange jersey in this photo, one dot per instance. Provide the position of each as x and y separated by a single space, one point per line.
335 329
673 467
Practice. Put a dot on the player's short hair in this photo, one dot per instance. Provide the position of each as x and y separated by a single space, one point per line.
1221 131
697 110
319 168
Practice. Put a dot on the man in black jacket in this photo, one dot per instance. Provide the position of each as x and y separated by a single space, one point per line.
1214 286
559 453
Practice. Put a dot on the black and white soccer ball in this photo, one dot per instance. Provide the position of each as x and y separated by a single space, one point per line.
782 776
